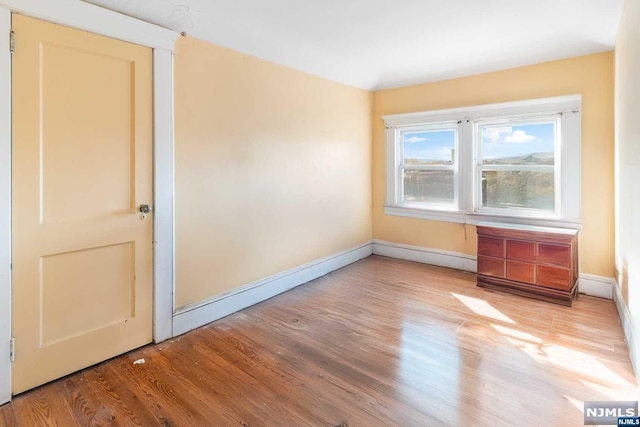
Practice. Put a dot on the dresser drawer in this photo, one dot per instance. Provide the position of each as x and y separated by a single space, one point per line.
554 254
491 246
521 271
491 266
554 277
521 251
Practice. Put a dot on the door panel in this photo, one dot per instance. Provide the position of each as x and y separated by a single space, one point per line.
109 269
102 142
82 147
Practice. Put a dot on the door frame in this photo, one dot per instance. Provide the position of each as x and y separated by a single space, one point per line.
84 16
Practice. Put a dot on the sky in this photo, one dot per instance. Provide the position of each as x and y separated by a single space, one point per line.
497 141
432 145
509 141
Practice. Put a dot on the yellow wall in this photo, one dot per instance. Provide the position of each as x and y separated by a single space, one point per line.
273 169
627 107
591 76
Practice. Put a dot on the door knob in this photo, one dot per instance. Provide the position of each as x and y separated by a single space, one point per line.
144 211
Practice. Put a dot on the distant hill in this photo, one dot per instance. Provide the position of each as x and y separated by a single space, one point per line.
426 162
529 159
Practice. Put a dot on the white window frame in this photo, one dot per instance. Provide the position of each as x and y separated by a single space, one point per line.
468 208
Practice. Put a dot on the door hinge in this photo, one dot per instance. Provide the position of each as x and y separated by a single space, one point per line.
12 350
12 41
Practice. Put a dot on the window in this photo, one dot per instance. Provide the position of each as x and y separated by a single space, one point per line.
512 162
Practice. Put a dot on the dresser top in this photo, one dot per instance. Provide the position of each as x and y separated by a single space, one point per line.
534 228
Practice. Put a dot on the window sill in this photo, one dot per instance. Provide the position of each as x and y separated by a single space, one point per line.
462 217
433 214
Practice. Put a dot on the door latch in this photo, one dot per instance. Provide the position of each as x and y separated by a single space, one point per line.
144 211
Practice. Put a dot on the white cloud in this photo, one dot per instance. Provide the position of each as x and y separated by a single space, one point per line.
502 134
519 136
494 134
415 139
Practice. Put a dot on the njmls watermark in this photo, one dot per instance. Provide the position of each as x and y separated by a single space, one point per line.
611 413
628 421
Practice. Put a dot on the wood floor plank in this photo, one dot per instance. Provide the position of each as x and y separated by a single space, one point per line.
380 342
166 390
35 410
86 410
198 382
219 385
8 419
322 409
110 395
138 395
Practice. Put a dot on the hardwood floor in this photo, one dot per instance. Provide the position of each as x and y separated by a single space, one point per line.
380 342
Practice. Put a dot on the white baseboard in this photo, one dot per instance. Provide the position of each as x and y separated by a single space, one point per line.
629 328
596 286
196 315
456 260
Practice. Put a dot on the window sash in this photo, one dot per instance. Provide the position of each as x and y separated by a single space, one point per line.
523 119
437 205
402 166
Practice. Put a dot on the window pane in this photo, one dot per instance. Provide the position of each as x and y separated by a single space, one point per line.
434 147
428 186
507 189
526 144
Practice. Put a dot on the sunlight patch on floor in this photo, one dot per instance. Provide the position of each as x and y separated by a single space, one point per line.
593 373
610 392
577 403
482 308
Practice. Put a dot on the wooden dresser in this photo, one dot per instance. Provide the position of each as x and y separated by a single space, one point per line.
537 262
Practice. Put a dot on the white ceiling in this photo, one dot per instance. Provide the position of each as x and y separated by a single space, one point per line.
376 44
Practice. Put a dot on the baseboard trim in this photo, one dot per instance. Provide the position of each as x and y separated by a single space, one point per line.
456 260
193 316
596 286
629 328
